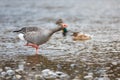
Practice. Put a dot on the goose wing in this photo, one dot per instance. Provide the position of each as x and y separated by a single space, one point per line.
27 29
36 37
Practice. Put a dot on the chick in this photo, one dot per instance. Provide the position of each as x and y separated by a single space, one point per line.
80 36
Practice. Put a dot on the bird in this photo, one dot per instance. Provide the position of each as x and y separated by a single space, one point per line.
80 36
36 36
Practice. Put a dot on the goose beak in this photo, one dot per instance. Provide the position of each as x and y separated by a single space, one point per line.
64 25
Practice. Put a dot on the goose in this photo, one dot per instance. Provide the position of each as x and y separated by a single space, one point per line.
36 36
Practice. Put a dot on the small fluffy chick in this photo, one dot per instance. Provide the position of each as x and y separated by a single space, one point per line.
80 36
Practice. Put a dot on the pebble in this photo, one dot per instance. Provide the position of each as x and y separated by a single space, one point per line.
10 72
38 65
103 78
33 68
28 64
3 74
57 79
59 67
19 71
21 66
7 68
76 78
8 78
114 63
1 69
39 77
47 73
89 76
18 77
30 74
62 75
73 66
117 78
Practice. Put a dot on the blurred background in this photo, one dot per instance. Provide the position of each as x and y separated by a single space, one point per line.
99 18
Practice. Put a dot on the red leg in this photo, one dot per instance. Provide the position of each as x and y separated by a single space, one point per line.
26 44
36 51
34 46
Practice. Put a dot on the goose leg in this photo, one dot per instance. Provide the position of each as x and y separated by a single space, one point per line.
36 51
34 46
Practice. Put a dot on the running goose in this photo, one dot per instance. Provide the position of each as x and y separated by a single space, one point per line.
37 36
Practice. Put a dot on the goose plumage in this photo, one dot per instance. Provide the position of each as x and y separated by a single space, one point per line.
36 36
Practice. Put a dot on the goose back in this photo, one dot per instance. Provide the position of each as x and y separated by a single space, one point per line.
27 29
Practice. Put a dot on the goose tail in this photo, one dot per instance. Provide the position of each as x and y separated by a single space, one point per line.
17 31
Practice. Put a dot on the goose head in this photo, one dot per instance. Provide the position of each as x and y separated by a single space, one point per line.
63 26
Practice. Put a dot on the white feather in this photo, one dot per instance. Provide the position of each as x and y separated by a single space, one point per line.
21 36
